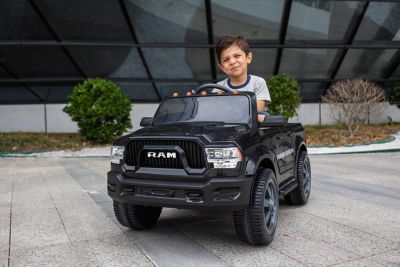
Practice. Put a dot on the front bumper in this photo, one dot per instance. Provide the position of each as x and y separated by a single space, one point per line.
214 193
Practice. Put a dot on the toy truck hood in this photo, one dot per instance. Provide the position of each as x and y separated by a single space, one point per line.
211 133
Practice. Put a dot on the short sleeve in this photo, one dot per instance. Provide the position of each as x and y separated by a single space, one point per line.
261 90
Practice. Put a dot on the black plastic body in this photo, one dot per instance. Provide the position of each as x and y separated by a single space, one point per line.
274 147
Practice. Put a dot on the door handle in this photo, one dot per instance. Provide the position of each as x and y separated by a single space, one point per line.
279 137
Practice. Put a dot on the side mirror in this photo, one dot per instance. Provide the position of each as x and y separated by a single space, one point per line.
146 121
273 121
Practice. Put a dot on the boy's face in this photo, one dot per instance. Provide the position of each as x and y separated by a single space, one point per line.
234 61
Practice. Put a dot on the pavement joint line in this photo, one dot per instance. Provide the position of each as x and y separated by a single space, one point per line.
348 226
55 206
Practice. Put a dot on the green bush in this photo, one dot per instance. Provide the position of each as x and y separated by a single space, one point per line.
284 93
101 110
394 97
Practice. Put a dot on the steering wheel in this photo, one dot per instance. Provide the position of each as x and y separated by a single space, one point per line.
212 86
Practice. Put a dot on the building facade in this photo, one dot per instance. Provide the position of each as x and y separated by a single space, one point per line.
153 47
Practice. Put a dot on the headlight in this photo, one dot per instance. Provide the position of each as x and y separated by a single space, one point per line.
223 158
117 153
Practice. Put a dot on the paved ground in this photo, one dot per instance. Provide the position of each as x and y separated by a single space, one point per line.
56 212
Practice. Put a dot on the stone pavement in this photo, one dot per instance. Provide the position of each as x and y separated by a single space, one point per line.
55 212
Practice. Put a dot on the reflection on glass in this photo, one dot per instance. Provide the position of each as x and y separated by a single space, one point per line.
307 63
396 74
139 91
59 94
262 65
319 20
365 63
381 22
87 20
184 63
116 62
312 91
254 19
4 74
19 21
168 21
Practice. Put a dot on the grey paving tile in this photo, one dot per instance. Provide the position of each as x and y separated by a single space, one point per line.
368 217
219 238
54 255
3 257
311 252
391 259
111 251
359 263
4 230
295 222
35 220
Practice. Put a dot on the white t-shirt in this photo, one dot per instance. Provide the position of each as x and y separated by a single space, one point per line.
254 84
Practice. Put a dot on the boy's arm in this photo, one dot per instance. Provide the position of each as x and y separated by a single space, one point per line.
261 104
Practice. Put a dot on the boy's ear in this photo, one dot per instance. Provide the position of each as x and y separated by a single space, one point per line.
249 57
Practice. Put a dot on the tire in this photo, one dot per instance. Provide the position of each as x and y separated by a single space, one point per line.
257 223
301 193
135 216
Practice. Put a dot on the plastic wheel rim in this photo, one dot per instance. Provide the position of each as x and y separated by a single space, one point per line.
306 177
270 207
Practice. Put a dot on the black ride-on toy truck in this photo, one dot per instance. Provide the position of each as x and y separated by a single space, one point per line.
208 151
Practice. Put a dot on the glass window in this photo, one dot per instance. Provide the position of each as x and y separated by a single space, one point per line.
167 89
139 91
320 20
204 109
365 63
115 62
396 74
55 94
312 91
172 21
254 19
4 74
16 94
307 63
381 22
19 21
262 65
37 61
91 20
184 63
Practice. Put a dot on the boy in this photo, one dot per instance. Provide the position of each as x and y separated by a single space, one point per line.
234 56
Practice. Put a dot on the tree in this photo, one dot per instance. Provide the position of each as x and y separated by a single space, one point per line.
100 108
394 97
284 95
352 102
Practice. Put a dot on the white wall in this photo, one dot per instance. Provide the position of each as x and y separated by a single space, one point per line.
31 118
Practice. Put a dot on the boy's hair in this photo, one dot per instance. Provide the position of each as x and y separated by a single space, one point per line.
229 40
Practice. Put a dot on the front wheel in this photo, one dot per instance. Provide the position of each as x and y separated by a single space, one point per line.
135 216
257 223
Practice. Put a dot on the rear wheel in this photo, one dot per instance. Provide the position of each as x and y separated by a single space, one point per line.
257 223
301 193
135 216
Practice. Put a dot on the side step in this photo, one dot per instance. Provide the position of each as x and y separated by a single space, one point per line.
288 187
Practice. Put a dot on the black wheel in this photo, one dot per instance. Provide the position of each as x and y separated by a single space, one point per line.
257 223
135 216
301 193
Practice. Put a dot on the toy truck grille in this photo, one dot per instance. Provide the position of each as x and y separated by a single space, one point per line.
165 154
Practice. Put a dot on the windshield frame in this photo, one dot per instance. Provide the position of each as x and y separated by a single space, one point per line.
249 121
